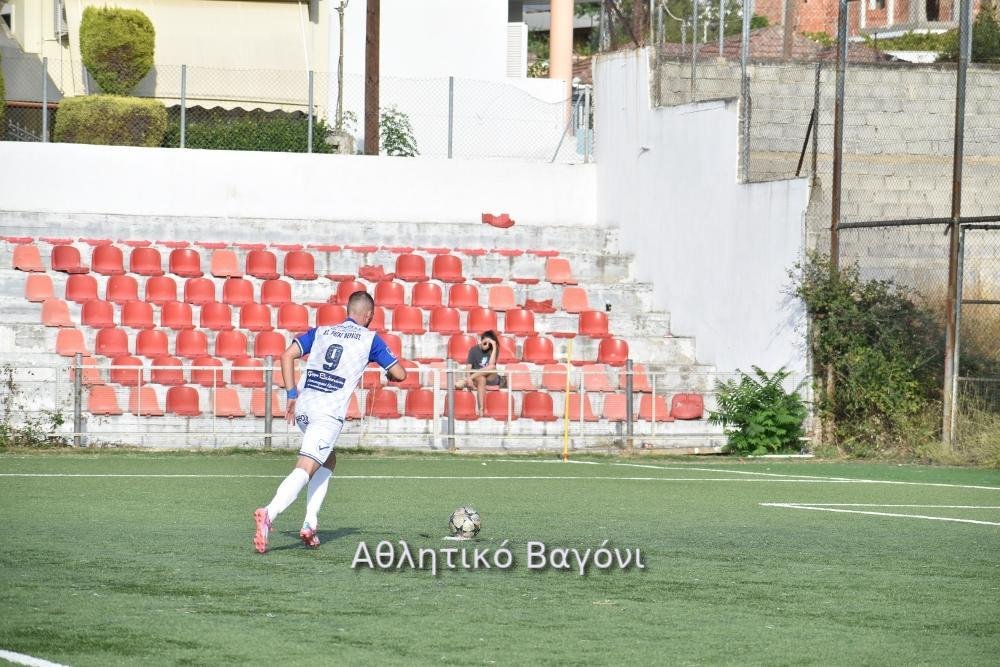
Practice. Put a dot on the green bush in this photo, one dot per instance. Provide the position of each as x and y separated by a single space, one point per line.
886 354
758 415
117 47
985 37
397 133
251 133
111 120
911 41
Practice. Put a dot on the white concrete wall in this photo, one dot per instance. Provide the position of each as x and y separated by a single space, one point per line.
716 250
77 178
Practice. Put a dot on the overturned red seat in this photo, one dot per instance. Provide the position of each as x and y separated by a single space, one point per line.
107 260
687 406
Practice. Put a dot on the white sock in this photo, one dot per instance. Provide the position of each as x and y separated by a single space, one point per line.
287 492
315 495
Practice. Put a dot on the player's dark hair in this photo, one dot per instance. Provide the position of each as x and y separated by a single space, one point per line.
360 301
492 335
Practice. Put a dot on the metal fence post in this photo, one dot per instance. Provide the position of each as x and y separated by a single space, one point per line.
78 400
45 100
309 148
953 303
838 135
450 405
629 416
451 113
268 408
745 91
815 136
722 25
586 124
694 47
184 79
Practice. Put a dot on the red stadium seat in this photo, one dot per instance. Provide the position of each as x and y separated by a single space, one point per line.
176 315
519 378
447 269
207 372
107 260
612 351
198 291
410 320
151 343
557 271
55 313
353 411
412 380
127 371
593 323
27 258
445 321
81 288
66 258
185 263
137 315
419 404
226 403
384 404
121 289
103 401
90 375
217 316
167 370
191 343
463 296
372 376
225 264
519 322
654 408
465 406
300 265
69 342
538 350
183 401
495 405
161 289
426 295
594 377
111 342
411 268
575 402
508 350
329 314
345 289
256 317
640 381
480 320
459 346
554 377
237 291
262 264
378 320
394 343
293 317
230 344
248 372
97 314
257 406
687 406
38 287
501 298
275 292
614 407
574 300
389 294
537 405
145 262
269 343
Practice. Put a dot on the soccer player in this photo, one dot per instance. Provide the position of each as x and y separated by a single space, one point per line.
338 355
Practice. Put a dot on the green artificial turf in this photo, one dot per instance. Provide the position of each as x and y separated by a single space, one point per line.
105 570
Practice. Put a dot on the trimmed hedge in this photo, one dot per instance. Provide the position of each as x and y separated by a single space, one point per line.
117 47
111 120
278 134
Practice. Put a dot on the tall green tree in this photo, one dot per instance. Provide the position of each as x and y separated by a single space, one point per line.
117 47
985 37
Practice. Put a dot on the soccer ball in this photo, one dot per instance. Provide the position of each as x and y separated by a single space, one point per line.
464 522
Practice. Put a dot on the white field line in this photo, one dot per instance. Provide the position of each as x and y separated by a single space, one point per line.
449 477
947 507
22 659
817 508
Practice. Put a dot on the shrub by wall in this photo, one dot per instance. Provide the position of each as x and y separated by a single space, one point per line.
111 120
117 47
251 133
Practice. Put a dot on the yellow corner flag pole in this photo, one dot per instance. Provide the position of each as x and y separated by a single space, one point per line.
569 365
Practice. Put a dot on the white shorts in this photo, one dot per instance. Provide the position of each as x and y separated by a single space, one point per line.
319 435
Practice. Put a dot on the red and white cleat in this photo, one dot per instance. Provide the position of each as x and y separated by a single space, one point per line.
309 536
263 525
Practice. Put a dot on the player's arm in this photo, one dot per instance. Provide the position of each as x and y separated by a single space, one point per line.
396 372
383 356
296 349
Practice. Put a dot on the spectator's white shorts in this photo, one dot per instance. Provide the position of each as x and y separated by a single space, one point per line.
319 435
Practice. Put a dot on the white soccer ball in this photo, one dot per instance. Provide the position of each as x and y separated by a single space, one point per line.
464 522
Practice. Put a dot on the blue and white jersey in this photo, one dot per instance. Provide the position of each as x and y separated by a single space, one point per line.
338 356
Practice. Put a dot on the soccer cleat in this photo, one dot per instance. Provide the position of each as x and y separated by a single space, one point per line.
263 528
309 536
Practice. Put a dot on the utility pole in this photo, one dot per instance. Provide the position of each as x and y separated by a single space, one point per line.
371 77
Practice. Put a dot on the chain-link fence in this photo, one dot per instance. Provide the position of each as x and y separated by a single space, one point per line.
445 117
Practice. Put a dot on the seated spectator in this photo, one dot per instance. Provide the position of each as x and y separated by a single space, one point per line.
482 367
